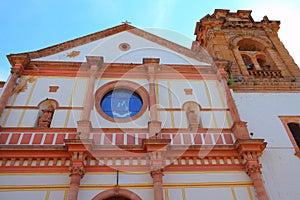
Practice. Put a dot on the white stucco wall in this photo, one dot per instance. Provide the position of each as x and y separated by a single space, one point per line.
71 93
209 94
176 185
280 165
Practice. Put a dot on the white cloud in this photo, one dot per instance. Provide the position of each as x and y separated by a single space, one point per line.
164 12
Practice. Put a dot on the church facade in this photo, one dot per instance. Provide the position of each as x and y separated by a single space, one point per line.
125 114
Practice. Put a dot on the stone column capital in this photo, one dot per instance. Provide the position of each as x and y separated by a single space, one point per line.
157 172
77 170
151 66
253 167
17 70
94 64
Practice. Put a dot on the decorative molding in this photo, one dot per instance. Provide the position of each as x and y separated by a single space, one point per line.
73 54
77 170
188 91
124 46
22 84
53 88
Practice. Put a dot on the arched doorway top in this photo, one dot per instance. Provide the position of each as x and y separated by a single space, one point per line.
125 194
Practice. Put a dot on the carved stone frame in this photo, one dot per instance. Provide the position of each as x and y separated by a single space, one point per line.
102 91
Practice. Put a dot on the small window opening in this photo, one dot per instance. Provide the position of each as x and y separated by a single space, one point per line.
248 62
295 130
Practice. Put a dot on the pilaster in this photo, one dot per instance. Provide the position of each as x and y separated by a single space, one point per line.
157 184
78 150
94 65
16 72
156 149
250 150
151 66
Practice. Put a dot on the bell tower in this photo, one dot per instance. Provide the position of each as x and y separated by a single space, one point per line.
259 60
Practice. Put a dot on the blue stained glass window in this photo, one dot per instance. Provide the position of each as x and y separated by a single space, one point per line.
121 103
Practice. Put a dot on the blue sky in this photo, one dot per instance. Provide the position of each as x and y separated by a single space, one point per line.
35 24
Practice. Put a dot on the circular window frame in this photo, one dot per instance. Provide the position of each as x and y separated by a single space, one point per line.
124 46
134 87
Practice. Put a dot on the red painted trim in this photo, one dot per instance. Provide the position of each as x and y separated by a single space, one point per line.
38 129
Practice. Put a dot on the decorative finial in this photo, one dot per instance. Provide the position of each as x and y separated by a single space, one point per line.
126 22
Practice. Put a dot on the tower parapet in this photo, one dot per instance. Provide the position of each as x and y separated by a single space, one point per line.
260 62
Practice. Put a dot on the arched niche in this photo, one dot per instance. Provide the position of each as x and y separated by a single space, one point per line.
192 110
46 111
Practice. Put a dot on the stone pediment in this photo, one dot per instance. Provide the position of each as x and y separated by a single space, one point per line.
120 44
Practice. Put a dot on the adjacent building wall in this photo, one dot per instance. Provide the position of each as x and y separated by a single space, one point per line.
280 165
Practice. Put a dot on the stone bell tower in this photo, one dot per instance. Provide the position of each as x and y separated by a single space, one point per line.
259 60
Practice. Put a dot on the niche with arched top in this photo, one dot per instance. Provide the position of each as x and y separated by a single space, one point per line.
46 112
192 110
250 45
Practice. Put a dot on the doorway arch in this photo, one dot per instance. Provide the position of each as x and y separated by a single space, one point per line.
123 194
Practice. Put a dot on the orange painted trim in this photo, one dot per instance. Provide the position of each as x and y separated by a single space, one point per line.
37 129
165 130
119 130
169 109
36 108
200 130
179 75
129 168
119 70
201 109
36 170
32 151
203 168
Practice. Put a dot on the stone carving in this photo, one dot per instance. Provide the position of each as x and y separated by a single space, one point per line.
192 119
46 118
22 84
73 54
252 168
77 170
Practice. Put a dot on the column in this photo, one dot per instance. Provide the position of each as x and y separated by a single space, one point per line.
16 72
157 158
94 65
151 66
240 61
157 150
157 184
152 98
253 170
250 150
76 173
